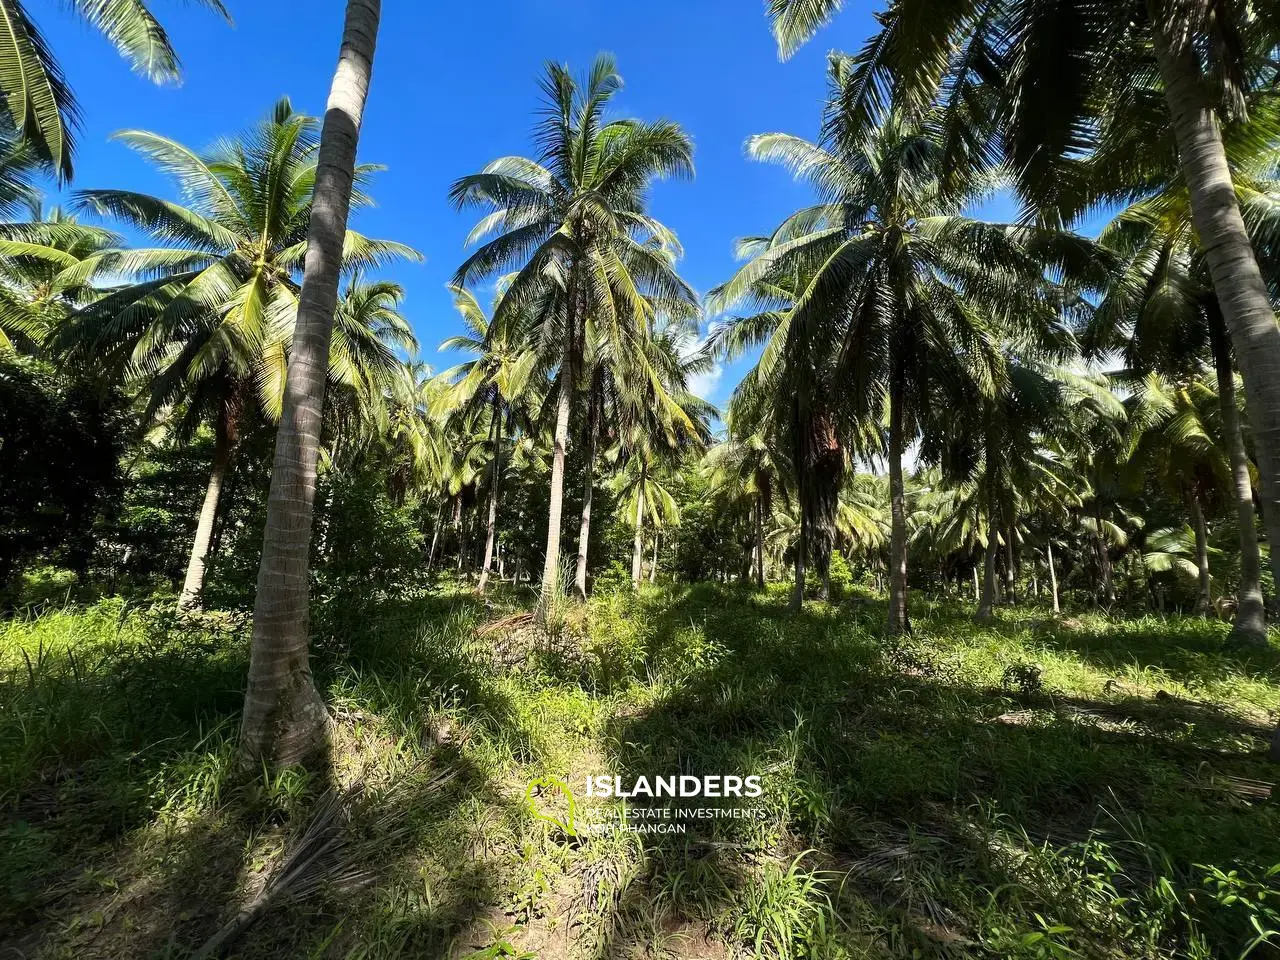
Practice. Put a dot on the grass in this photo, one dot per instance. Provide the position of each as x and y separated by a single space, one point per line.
1082 787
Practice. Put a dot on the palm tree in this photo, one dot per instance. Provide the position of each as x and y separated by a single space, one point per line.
496 383
208 325
908 297
1046 84
573 224
284 716
37 98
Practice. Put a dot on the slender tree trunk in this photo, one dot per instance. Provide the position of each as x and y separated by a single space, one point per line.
1251 611
653 570
986 607
460 531
899 622
435 537
1233 266
977 595
802 549
1010 570
637 554
487 566
1204 600
588 495
760 542
551 567
1053 577
284 717
193 585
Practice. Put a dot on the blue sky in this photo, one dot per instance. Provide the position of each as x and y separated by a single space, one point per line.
454 87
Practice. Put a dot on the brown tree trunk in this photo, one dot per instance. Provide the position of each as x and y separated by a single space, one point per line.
899 622
637 553
487 566
1233 266
1204 599
223 451
551 566
284 716
1251 611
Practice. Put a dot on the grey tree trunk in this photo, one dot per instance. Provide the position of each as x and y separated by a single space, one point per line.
1010 570
588 495
284 716
760 542
1242 293
653 570
487 566
1053 577
435 537
1204 599
637 553
802 549
193 584
898 620
986 606
1251 611
977 590
551 567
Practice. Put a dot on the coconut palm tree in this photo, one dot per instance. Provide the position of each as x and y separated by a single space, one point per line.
208 321
573 224
1046 85
497 384
284 716
37 98
906 297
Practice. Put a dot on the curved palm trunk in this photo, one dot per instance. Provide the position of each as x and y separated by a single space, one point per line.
551 567
898 619
1242 293
1204 600
284 717
1251 610
487 566
223 450
637 553
1053 576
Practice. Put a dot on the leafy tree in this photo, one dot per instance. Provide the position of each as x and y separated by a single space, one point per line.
207 325
37 98
574 227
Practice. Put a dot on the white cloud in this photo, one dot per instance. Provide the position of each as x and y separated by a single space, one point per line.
704 384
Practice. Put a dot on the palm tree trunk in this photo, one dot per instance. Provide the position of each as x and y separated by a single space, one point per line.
588 494
760 542
193 585
977 595
1242 293
1010 570
435 537
487 566
898 620
986 606
653 570
1204 601
1251 611
551 567
637 554
802 549
284 717
1053 577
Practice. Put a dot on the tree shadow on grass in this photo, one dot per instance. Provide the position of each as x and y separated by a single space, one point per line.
860 749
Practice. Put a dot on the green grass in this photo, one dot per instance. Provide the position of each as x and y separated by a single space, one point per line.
1034 788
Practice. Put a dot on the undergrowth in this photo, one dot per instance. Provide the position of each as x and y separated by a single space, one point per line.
1037 787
